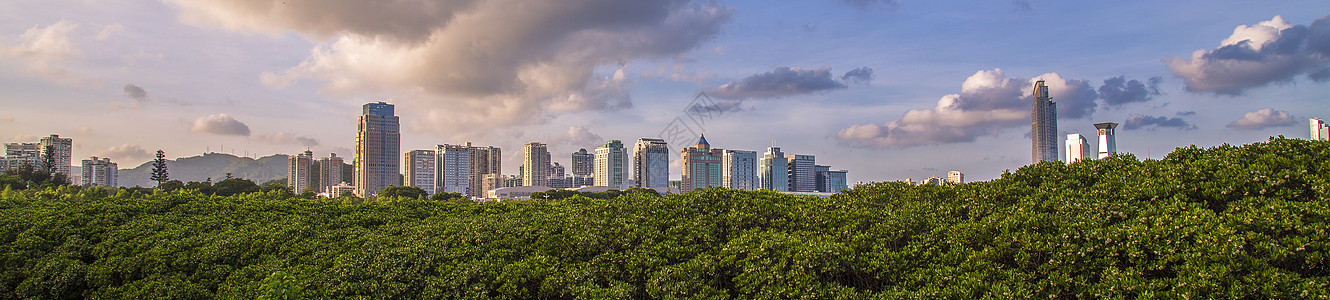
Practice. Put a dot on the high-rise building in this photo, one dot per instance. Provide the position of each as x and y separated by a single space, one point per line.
1320 131
558 178
831 181
802 172
955 177
378 144
1043 125
1077 148
738 169
299 171
64 149
484 160
1108 144
100 172
701 166
330 173
419 168
535 164
453 169
651 163
772 170
583 169
19 154
612 165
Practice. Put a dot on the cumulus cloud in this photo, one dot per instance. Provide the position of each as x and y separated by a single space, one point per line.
283 138
135 92
219 124
1262 119
577 137
498 62
1117 91
860 75
127 154
1139 121
783 81
988 103
1268 52
47 49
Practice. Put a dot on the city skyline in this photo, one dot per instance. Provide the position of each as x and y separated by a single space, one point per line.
895 89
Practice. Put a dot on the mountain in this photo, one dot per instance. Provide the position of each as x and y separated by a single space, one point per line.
211 165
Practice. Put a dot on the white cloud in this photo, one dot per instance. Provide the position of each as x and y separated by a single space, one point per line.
219 124
1263 118
1269 52
47 49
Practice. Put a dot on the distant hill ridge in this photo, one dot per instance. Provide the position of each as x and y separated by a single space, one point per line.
210 165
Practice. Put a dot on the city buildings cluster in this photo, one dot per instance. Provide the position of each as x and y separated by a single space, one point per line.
1320 131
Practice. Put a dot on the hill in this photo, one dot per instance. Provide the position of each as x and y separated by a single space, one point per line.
211 165
1246 222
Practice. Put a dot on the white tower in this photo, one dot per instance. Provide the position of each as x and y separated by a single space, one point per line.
1108 144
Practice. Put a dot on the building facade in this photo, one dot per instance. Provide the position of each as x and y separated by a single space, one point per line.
955 177
802 172
1108 142
831 181
99 172
300 171
701 166
19 154
583 168
484 160
330 173
1043 125
63 149
738 170
535 164
611 165
378 144
773 170
453 169
651 163
1078 148
1320 131
419 168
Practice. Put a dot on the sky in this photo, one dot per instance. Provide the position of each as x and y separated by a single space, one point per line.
884 89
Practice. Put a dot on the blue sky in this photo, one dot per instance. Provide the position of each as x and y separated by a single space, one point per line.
949 80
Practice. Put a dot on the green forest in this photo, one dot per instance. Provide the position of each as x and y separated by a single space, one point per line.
1246 221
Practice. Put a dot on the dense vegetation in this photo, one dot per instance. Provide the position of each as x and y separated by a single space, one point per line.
1226 222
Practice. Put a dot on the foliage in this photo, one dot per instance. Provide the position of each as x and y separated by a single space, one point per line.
447 196
159 172
408 192
1227 222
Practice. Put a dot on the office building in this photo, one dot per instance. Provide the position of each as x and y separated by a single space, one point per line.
484 160
651 163
612 165
1108 144
831 181
772 170
583 168
99 172
20 154
419 169
802 173
1320 131
63 148
1077 148
701 166
453 169
378 144
330 173
738 170
955 177
300 171
535 164
1043 125
557 179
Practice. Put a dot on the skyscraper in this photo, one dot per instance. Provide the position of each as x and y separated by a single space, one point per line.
378 144
738 169
484 160
330 173
419 170
1043 125
701 166
558 178
63 148
612 165
772 170
651 163
802 172
299 171
453 169
1108 144
583 169
535 164
831 181
1077 148
99 172
1319 130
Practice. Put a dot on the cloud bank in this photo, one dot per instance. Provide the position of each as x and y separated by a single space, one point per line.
788 81
219 124
1139 121
1262 119
1119 90
125 155
1268 52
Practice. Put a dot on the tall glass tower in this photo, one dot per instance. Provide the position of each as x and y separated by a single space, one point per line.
378 150
1043 125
